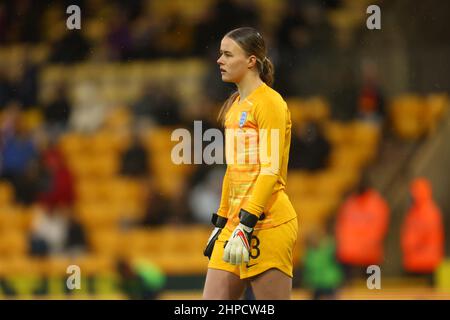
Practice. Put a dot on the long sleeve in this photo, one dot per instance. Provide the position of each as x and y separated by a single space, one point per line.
271 118
224 200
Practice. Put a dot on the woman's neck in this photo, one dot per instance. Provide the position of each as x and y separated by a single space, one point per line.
248 84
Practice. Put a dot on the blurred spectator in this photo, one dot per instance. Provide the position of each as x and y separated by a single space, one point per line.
294 51
315 18
27 85
180 212
322 273
56 232
422 233
361 226
58 111
345 97
158 207
10 120
310 149
89 108
145 30
220 19
205 194
49 232
31 183
24 20
3 23
371 99
72 47
177 38
76 241
134 160
119 36
157 106
140 280
17 146
304 40
6 89
60 190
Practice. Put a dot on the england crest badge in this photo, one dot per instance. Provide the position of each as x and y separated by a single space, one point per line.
243 118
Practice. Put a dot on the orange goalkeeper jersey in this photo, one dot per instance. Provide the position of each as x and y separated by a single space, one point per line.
257 140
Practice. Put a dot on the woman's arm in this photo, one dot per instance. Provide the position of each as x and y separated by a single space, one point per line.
271 119
224 200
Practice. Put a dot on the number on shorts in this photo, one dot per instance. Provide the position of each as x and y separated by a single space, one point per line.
255 246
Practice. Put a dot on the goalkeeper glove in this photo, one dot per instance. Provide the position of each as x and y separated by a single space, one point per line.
238 247
219 223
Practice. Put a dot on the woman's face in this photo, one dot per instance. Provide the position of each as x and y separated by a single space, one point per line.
233 61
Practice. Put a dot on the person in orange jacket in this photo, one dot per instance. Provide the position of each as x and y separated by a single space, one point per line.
361 227
422 233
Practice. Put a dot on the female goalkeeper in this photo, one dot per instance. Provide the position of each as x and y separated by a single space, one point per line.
256 225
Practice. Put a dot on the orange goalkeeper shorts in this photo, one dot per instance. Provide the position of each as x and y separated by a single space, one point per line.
271 248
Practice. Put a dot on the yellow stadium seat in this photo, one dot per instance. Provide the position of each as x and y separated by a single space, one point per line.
118 118
336 182
436 107
111 94
127 196
39 53
123 195
300 182
73 144
52 74
186 239
27 219
126 189
146 241
365 134
23 274
338 133
82 165
407 113
95 264
56 266
98 215
95 29
159 139
439 103
313 211
11 218
193 264
296 111
318 109
106 242
13 243
102 141
105 165
32 119
311 109
169 184
442 276
351 157
6 194
16 218
20 266
130 210
85 166
90 190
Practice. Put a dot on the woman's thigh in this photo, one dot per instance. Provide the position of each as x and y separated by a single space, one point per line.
222 285
272 284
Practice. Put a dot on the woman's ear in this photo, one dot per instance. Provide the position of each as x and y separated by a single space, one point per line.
251 61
